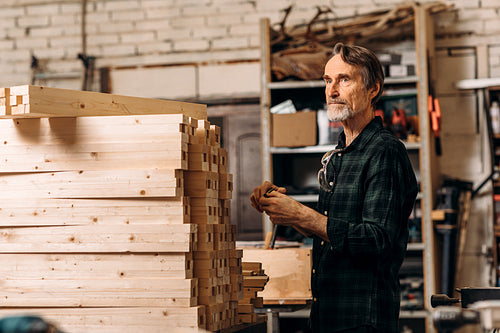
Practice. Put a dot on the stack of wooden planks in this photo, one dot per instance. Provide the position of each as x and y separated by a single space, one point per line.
217 263
114 223
254 280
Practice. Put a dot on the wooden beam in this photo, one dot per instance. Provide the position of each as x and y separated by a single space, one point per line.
93 156
54 102
44 266
199 184
92 184
112 211
81 130
99 239
91 292
119 319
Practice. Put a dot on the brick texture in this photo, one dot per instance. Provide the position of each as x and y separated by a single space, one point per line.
167 32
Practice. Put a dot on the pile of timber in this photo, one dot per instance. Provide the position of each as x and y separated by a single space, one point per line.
254 280
114 223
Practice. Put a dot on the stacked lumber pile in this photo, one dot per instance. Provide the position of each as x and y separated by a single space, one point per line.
114 223
217 263
254 280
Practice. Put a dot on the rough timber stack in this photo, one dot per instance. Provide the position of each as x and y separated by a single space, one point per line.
114 223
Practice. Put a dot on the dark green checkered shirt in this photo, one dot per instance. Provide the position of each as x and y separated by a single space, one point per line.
355 275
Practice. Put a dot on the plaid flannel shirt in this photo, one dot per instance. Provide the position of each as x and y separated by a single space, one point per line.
355 275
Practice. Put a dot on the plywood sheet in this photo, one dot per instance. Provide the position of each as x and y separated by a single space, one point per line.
289 272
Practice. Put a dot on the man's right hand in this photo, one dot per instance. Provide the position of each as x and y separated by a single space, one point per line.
260 191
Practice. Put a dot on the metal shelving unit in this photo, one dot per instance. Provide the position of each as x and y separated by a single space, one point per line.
429 171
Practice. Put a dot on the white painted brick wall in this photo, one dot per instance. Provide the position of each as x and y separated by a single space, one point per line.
138 32
162 13
37 10
494 60
192 45
169 34
32 21
138 37
230 43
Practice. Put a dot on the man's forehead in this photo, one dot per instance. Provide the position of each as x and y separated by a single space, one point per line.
336 66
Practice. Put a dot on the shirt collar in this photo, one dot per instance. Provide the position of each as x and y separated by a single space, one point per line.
374 126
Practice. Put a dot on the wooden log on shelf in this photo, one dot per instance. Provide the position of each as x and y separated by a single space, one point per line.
36 101
92 184
123 319
114 211
98 239
45 266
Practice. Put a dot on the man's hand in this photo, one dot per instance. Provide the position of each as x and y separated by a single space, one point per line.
261 192
283 210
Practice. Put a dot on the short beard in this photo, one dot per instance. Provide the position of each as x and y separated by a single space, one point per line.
339 112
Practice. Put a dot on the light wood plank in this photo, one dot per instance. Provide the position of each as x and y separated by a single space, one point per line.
115 211
92 184
86 130
199 157
93 156
124 287
43 266
99 239
200 184
130 319
55 102
289 272
225 186
91 293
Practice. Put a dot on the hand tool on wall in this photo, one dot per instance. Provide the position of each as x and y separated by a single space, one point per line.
435 114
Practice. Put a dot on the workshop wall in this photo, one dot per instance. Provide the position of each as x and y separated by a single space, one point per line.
191 38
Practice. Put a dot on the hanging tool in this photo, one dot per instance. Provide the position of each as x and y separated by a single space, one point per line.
435 114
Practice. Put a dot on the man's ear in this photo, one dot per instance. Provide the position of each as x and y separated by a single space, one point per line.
373 91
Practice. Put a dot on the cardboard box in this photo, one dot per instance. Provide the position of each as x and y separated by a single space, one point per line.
294 130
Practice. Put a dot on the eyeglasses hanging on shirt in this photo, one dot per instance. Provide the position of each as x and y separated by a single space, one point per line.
325 183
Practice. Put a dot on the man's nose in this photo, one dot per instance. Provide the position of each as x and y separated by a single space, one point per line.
332 90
